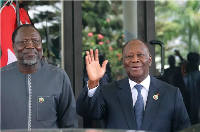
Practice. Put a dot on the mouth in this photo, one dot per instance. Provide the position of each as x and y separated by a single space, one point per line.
136 67
30 53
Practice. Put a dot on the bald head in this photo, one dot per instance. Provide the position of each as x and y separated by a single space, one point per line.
136 40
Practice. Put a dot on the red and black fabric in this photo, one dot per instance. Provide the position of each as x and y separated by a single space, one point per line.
8 25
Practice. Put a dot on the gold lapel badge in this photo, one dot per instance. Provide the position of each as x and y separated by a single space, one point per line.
41 100
155 96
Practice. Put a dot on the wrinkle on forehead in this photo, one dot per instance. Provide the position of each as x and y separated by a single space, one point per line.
143 47
22 33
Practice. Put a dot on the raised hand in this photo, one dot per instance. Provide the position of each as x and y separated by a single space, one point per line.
177 53
94 70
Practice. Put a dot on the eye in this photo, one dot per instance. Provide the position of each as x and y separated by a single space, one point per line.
129 56
36 41
22 42
140 55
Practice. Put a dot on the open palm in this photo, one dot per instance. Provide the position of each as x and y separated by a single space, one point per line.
94 70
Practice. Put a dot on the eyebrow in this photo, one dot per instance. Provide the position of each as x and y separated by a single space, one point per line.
31 38
137 52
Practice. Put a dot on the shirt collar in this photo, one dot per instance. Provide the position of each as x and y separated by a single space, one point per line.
145 83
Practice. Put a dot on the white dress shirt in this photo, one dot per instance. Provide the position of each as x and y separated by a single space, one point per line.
145 90
91 91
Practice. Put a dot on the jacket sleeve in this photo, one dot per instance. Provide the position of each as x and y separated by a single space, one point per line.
91 107
67 116
180 119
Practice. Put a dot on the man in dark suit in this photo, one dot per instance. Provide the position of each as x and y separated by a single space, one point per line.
138 101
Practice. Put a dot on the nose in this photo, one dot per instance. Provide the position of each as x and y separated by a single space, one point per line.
30 45
134 59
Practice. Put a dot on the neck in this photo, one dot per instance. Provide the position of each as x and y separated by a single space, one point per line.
138 80
28 69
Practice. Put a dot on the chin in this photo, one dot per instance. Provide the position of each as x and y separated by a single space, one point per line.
137 75
30 62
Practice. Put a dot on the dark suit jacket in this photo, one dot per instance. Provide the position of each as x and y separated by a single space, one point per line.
113 103
192 89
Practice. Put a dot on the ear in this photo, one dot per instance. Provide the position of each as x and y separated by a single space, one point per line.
123 62
150 60
41 54
13 47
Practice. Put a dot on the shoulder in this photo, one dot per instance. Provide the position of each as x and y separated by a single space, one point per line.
115 84
195 74
163 85
9 67
50 67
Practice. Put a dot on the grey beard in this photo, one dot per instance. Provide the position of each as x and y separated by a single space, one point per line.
30 62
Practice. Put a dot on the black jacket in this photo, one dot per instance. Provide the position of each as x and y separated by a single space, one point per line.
113 103
192 84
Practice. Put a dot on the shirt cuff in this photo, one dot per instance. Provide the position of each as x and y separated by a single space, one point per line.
91 91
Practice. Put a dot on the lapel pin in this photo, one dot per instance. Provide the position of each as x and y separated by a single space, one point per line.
155 96
41 100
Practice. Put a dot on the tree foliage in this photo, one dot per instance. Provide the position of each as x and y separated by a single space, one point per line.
49 22
102 30
177 25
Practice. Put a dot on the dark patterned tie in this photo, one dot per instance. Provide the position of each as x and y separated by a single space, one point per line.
139 107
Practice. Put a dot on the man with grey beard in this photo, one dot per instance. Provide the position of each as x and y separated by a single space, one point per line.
34 94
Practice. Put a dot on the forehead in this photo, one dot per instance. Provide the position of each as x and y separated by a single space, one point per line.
27 32
135 46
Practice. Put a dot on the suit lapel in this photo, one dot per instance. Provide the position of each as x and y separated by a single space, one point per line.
152 104
125 99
